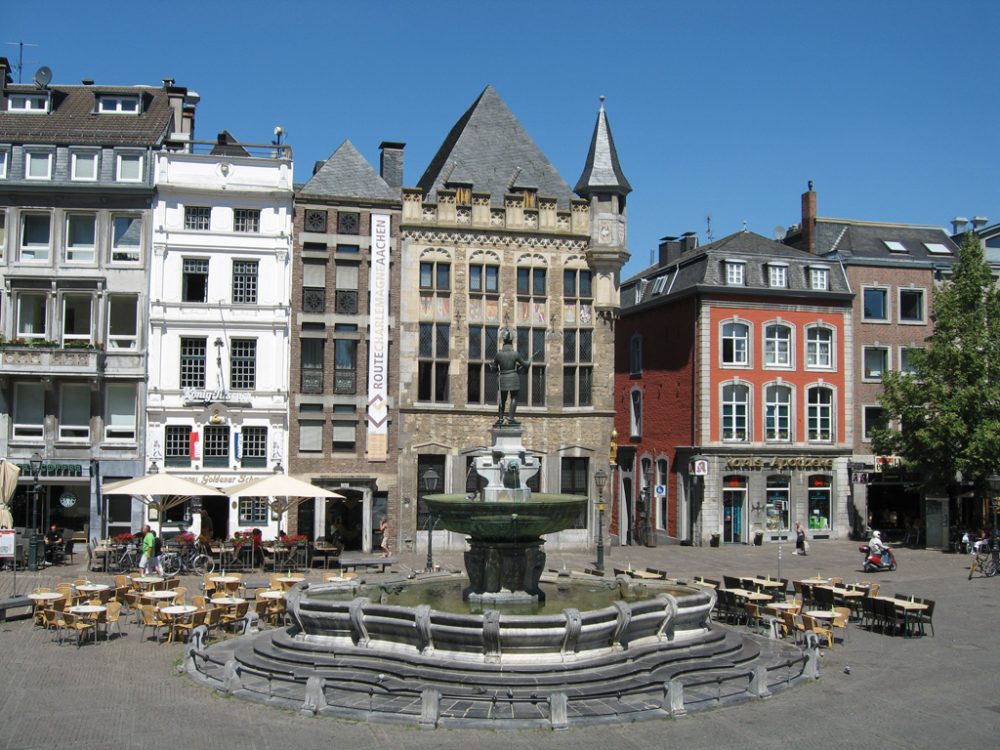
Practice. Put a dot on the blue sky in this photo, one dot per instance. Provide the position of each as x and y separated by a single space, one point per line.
718 108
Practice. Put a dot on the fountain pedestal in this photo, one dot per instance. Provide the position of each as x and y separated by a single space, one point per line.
504 573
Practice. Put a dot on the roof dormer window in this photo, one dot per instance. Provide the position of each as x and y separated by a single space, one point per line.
121 105
37 104
937 248
735 273
819 278
777 275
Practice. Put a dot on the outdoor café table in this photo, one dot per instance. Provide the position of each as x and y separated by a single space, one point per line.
227 601
762 583
47 596
288 581
751 596
646 575
341 577
92 588
223 579
175 612
271 595
88 611
815 581
168 594
785 606
145 581
820 614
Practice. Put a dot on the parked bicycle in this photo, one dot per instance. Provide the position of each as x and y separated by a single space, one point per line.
983 562
187 559
129 559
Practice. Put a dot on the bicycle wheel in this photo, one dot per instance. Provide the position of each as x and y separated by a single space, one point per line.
989 567
203 564
170 562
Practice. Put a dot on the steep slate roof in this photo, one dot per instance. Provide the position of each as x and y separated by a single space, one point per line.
491 151
347 174
864 242
602 170
704 268
73 118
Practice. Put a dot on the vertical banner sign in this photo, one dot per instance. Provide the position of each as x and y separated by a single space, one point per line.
378 341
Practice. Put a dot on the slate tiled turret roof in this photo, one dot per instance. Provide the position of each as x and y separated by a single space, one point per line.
347 174
602 170
73 117
489 150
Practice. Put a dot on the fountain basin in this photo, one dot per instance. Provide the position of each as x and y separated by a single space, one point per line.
544 513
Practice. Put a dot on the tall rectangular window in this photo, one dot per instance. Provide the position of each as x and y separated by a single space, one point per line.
195 280
426 464
735 412
120 419
36 236
198 218
484 279
531 343
253 451
433 361
193 353
32 315
345 366
310 436
313 286
635 420
577 369
735 344
126 239
819 492
776 510
29 411
81 236
735 273
874 418
876 304
819 414
244 282
482 376
777 276
777 413
243 364
77 316
876 362
3 233
531 282
3 164
216 450
435 275
246 220
177 445
312 352
777 345
911 306
819 348
574 479
123 322
74 412
345 427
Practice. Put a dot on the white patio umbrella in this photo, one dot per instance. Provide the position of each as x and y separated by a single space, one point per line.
161 492
8 483
283 492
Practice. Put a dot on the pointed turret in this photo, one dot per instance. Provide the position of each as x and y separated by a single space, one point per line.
604 185
603 172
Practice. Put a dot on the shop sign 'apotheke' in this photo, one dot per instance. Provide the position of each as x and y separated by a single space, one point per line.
780 462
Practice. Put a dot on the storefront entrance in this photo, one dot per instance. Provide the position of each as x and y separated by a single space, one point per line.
734 498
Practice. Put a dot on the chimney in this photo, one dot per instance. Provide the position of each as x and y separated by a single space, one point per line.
390 166
672 248
978 222
809 220
5 79
959 224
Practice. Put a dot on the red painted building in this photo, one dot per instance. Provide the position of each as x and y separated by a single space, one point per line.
733 411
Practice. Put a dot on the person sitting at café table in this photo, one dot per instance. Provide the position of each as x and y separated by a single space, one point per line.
53 543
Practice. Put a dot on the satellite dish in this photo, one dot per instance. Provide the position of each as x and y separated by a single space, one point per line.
43 76
780 232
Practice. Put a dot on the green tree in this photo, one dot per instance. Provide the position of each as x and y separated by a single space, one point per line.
948 408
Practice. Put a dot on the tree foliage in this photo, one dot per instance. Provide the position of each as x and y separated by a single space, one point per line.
947 408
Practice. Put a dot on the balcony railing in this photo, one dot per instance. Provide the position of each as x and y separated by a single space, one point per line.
35 357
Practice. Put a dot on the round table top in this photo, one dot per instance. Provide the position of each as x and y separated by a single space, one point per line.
784 605
46 596
160 594
271 595
92 587
227 600
179 609
223 579
824 614
339 579
290 579
815 580
87 609
148 579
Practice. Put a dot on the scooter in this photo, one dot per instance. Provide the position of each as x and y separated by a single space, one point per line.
878 561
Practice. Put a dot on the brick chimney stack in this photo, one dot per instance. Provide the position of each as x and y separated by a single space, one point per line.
5 78
391 163
809 219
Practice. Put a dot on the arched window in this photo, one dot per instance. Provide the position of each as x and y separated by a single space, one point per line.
635 421
819 414
778 413
735 412
777 345
819 348
735 344
661 500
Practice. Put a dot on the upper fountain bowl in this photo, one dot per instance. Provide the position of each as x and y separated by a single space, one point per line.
504 521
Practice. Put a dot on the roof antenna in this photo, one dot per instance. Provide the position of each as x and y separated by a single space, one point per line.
745 227
20 56
708 225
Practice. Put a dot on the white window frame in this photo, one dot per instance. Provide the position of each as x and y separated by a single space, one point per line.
120 160
111 240
885 292
831 415
69 432
736 272
18 333
831 354
121 431
4 159
774 436
746 360
819 278
777 275
866 375
923 306
29 155
46 249
902 357
3 234
865 436
734 436
74 158
635 412
14 99
789 361
88 337
120 342
28 431
117 109
88 251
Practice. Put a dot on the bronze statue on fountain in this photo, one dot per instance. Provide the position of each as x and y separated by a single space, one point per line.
509 363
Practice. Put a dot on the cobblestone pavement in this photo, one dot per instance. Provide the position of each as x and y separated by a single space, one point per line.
926 692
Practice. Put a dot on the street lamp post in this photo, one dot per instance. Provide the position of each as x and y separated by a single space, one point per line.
647 521
34 541
429 479
601 480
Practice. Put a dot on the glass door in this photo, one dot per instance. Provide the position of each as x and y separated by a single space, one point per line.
733 502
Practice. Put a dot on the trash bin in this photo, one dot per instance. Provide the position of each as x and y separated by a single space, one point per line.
758 539
713 540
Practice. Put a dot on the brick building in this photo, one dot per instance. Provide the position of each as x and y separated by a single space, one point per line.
344 352
731 395
493 238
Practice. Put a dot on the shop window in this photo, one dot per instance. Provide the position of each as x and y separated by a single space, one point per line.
734 500
216 450
819 492
776 509
177 445
253 511
29 411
